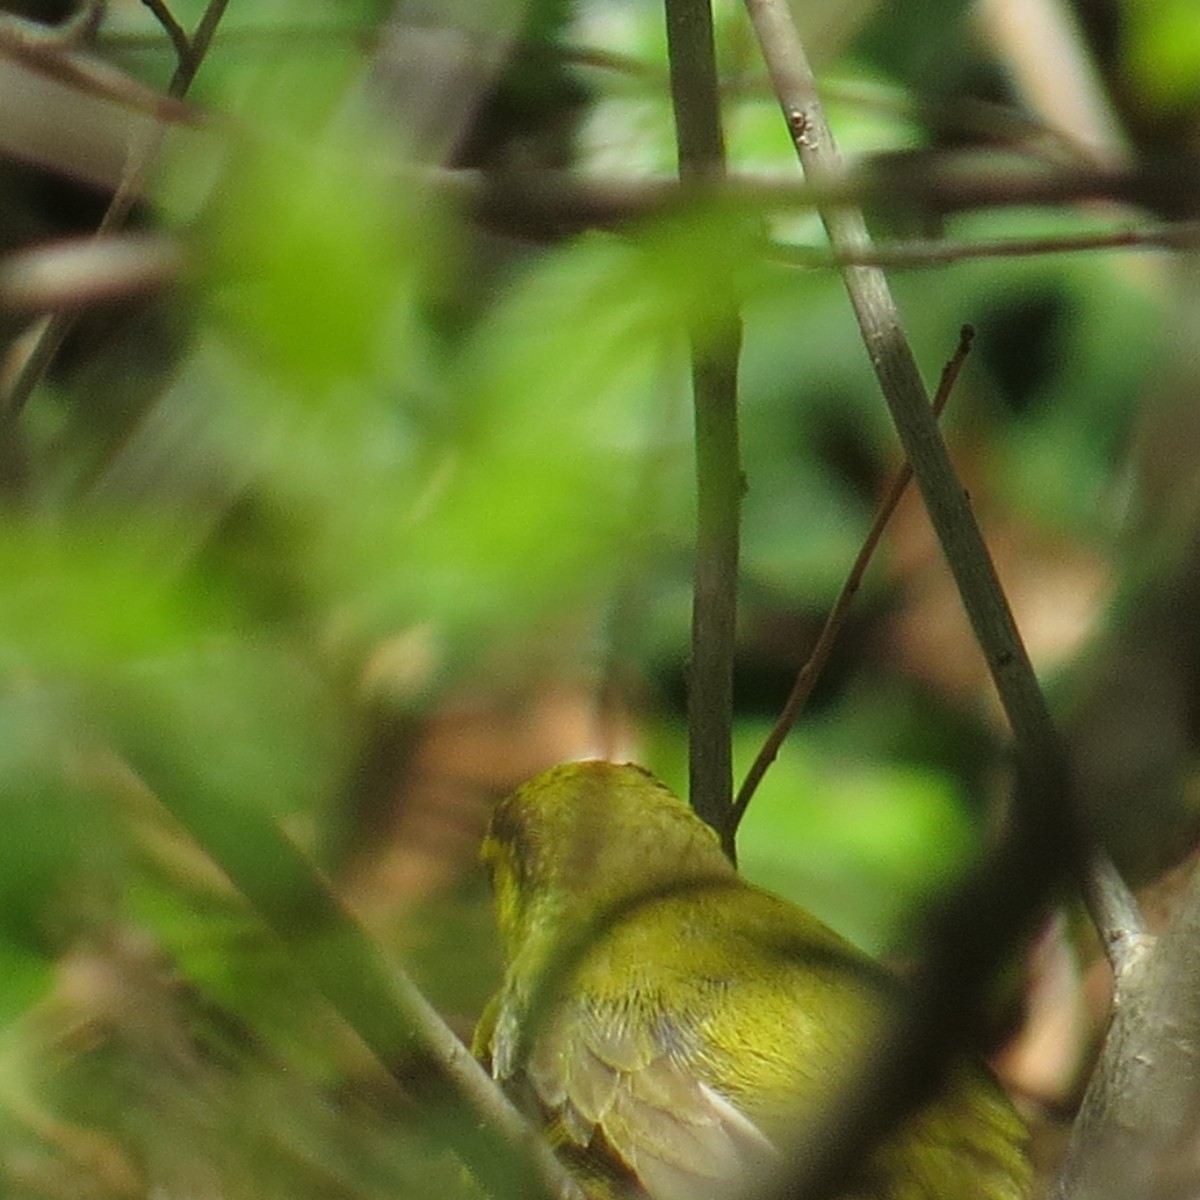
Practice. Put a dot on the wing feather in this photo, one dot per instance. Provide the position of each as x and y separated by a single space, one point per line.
613 1075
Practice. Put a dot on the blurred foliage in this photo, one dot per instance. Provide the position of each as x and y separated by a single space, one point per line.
1162 44
293 541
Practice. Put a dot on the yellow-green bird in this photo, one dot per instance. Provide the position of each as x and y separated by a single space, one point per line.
668 1023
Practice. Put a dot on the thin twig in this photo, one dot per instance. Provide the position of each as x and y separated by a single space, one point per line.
558 203
715 348
1182 235
175 31
198 47
51 50
53 330
810 672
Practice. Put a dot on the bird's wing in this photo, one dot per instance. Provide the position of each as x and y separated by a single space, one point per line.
622 1081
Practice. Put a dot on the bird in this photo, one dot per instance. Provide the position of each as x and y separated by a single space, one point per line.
667 1023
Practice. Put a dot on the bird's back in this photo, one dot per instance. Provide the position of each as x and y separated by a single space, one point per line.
676 1026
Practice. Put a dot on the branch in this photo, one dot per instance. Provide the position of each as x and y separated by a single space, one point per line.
1139 1116
53 330
370 992
198 46
53 51
1118 919
1135 1132
175 31
715 338
554 204
993 911
1179 235
810 672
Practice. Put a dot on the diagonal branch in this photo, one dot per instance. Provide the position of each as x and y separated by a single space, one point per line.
993 910
905 394
370 992
175 31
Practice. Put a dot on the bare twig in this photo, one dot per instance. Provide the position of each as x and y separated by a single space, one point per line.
557 203
175 31
715 347
53 51
810 672
1183 235
53 330
198 46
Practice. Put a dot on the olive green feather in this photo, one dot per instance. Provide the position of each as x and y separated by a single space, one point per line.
669 1023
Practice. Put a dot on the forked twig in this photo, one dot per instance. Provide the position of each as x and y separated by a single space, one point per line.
175 31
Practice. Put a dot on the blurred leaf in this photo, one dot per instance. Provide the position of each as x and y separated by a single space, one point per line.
1162 47
320 259
92 595
248 725
558 396
26 975
220 945
59 855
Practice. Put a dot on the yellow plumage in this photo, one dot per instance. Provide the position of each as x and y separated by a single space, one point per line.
669 1023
